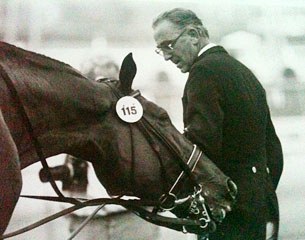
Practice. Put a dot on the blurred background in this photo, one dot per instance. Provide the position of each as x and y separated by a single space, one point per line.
268 36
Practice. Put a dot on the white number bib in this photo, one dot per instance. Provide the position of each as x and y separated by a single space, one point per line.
129 109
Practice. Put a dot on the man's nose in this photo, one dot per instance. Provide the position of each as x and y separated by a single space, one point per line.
167 56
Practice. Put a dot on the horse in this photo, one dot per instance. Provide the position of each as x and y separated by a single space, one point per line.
47 108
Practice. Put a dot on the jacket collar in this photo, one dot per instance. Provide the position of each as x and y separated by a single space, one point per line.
206 47
210 50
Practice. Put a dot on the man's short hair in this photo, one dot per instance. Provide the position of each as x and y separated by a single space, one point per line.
182 18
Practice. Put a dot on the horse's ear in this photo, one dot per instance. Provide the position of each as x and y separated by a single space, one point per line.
127 73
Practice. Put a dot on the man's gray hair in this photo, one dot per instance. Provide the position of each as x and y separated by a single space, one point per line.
182 18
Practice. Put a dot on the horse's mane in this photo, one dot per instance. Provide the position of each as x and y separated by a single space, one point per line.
19 55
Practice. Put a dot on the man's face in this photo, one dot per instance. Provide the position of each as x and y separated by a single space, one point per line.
177 45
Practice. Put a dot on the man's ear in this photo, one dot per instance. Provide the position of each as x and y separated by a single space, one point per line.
194 34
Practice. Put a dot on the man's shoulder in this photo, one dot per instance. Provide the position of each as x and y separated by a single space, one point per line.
212 55
211 60
217 59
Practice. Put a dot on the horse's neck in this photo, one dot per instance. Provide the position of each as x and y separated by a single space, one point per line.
60 103
65 114
62 114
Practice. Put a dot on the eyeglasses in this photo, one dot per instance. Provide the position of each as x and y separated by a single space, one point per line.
168 47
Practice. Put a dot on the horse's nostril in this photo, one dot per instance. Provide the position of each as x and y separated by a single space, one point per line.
232 188
206 193
219 214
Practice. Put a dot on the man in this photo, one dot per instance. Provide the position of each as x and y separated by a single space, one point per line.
226 114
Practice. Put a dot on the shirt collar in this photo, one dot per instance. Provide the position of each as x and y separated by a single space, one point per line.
206 47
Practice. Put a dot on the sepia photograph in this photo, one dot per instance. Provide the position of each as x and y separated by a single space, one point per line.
152 119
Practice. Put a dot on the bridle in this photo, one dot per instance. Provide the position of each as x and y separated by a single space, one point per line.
168 201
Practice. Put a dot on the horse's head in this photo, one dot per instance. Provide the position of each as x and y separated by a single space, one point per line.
147 157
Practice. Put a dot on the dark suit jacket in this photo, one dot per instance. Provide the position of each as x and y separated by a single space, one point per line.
227 116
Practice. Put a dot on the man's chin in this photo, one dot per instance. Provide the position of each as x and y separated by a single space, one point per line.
184 70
